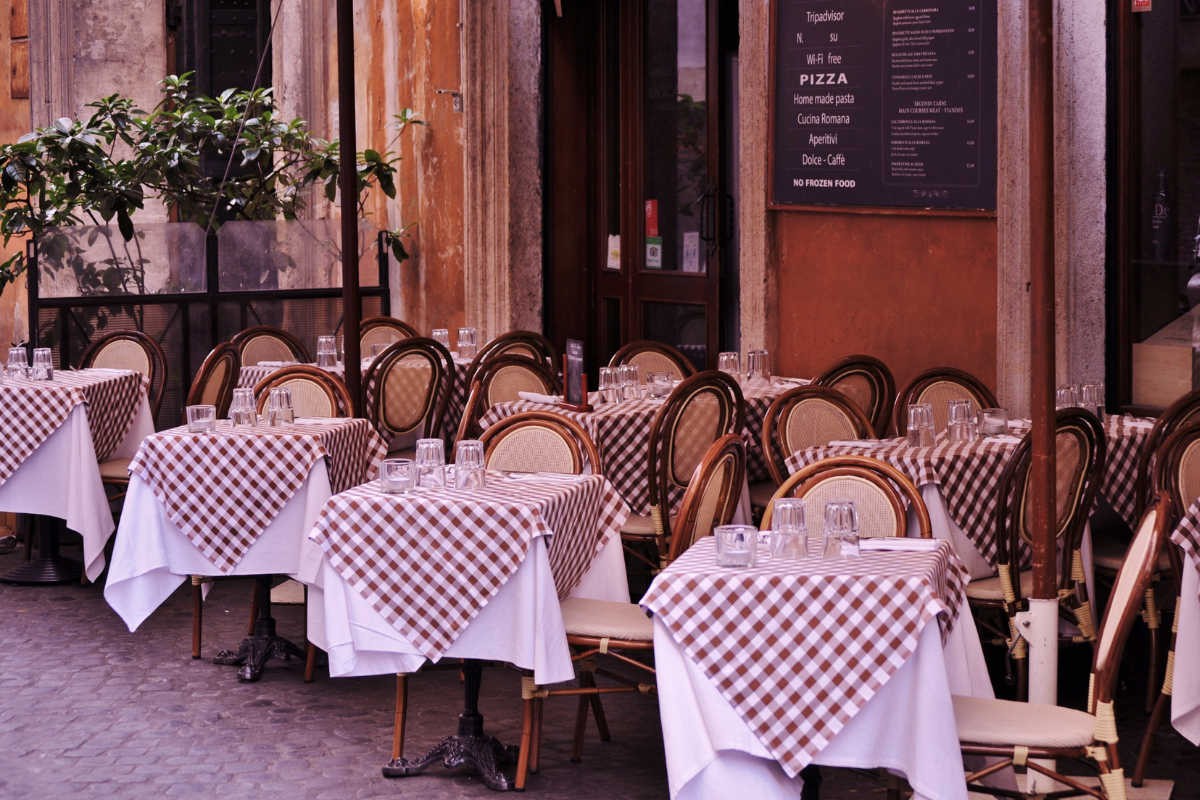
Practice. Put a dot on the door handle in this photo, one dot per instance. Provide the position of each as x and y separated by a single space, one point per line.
708 217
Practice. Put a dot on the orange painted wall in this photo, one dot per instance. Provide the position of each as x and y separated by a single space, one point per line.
914 291
14 123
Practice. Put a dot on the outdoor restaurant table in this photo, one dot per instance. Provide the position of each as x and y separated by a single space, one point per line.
55 435
621 432
1185 692
848 663
230 502
470 573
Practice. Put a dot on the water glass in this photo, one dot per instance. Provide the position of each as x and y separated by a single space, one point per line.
326 352
43 364
920 425
610 385
442 337
757 367
395 475
467 347
201 419
341 349
18 362
737 545
960 410
993 422
730 364
1065 397
789 534
469 472
631 381
1091 397
659 383
840 539
431 463
242 412
279 408
963 432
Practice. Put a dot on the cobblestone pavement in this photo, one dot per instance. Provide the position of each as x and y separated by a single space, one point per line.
89 710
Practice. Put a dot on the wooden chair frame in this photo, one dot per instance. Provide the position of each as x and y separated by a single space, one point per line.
881 379
442 364
487 372
572 432
984 397
502 344
225 350
154 352
784 403
1167 423
299 351
626 354
339 396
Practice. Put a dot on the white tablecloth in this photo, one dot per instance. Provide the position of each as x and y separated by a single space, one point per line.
521 625
1185 699
152 556
908 726
62 479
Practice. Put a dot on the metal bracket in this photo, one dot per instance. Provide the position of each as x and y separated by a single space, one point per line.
456 99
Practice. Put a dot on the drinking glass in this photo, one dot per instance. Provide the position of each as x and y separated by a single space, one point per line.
920 425
279 408
18 362
730 364
442 337
610 385
43 364
993 422
737 545
789 534
341 349
242 412
841 530
431 463
466 343
395 475
201 419
1064 397
659 383
326 352
1092 398
962 427
757 367
631 381
469 471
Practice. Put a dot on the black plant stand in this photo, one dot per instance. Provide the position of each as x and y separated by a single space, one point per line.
49 568
263 643
469 747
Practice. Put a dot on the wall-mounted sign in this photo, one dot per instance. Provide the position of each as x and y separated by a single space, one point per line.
1141 5
884 103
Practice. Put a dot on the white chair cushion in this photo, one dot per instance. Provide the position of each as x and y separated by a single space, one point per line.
605 619
641 526
117 469
989 588
1004 722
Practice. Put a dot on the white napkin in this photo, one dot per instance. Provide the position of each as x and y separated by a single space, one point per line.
1005 439
1020 423
547 399
545 477
277 363
793 381
1138 422
896 543
866 444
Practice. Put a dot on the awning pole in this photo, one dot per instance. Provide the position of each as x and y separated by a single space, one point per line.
348 186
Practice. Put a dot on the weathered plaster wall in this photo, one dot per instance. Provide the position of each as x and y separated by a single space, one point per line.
14 122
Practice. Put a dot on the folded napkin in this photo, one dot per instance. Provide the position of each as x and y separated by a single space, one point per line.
545 477
547 399
866 444
1005 439
792 381
1020 423
896 543
1138 422
277 363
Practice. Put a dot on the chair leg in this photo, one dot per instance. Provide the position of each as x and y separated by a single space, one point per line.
581 715
598 713
253 613
401 713
535 746
310 662
197 614
1160 706
526 740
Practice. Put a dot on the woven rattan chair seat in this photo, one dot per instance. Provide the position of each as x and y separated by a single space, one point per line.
640 525
118 468
761 493
604 619
990 589
1005 722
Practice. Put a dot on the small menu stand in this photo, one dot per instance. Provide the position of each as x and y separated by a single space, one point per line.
575 395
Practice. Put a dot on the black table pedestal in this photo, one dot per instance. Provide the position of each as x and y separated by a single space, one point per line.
263 644
469 747
49 568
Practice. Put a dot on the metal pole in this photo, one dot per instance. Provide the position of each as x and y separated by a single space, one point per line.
348 186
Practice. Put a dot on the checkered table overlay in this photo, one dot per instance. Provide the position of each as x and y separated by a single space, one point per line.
1187 534
969 474
32 410
224 489
621 432
799 647
430 560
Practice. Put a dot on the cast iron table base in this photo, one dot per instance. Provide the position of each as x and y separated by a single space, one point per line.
261 645
469 747
49 568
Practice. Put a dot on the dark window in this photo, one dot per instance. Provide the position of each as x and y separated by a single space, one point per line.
222 42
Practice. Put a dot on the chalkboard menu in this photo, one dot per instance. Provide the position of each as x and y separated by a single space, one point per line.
573 374
884 103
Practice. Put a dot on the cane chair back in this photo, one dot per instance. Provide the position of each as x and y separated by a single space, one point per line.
868 382
713 494
504 377
215 382
1177 467
654 357
268 343
539 441
315 392
880 491
809 416
938 387
134 351
383 330
409 384
1182 412
515 343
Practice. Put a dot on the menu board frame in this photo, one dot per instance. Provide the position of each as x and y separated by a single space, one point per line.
990 161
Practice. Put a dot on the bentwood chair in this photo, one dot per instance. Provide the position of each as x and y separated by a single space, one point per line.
938 387
1079 463
654 357
606 628
501 379
383 330
881 493
807 416
315 392
700 410
268 343
131 350
868 382
1021 733
407 388
515 343
216 380
539 441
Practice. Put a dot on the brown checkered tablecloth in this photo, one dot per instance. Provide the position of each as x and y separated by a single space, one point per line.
32 410
430 560
1187 535
223 489
621 432
969 474
799 647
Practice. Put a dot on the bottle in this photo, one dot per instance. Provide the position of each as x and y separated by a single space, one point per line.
1160 220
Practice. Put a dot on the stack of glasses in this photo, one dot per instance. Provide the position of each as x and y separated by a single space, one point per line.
738 545
18 364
